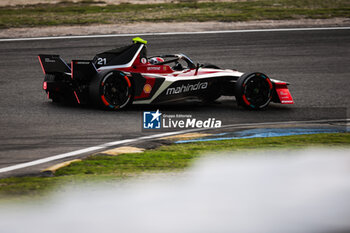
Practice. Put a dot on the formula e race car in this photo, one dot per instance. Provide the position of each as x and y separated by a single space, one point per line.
119 77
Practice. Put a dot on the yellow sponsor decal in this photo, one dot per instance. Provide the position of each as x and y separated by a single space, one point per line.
147 88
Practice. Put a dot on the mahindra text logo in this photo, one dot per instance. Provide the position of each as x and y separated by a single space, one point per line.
184 88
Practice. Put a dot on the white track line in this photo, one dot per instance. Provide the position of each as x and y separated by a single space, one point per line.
174 33
89 150
115 143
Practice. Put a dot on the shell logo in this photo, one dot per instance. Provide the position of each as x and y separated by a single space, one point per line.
147 88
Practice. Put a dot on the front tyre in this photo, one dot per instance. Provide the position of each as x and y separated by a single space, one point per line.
253 90
111 90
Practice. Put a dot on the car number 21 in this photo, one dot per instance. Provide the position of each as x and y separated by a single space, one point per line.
101 61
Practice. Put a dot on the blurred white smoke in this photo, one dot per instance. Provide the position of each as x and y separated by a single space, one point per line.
296 191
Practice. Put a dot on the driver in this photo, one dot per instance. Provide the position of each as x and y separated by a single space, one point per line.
156 60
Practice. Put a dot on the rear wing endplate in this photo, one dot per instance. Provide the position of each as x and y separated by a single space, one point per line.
53 64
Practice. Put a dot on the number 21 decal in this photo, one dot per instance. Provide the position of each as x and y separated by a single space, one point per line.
101 61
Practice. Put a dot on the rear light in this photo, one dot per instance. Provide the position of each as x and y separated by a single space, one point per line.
45 85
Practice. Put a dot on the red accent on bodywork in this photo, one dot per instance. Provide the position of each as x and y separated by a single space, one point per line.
148 68
137 61
149 81
270 84
42 67
283 94
76 96
245 100
104 100
127 79
279 83
163 69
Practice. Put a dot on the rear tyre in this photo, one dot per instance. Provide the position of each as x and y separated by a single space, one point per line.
253 91
111 90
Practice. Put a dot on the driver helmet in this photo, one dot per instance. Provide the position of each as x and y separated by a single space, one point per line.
155 60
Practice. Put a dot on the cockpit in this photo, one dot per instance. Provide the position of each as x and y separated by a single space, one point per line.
177 62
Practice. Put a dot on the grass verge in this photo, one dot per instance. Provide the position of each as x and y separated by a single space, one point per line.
171 158
87 12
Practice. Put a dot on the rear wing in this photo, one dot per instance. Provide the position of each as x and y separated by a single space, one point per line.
82 70
53 64
78 70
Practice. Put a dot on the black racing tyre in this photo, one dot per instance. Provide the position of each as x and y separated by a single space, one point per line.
111 90
253 90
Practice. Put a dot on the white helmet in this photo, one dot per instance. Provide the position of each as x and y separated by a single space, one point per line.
155 60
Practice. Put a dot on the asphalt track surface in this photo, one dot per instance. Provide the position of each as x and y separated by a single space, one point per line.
316 63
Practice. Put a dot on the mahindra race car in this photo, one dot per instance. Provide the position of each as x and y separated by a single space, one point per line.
119 77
